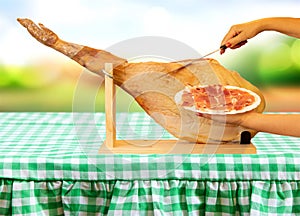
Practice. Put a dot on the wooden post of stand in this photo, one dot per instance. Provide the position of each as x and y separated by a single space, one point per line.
110 107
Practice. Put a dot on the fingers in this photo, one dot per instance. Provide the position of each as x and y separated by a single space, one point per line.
218 118
235 38
230 34
231 46
203 115
238 45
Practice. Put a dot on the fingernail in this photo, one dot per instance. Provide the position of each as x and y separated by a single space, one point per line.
199 114
228 44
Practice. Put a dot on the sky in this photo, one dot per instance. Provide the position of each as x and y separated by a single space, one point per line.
200 24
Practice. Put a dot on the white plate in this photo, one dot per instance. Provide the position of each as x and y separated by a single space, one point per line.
178 100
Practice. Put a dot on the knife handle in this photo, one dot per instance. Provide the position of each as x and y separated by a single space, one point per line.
224 47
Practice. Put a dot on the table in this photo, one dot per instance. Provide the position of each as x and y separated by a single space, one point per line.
49 165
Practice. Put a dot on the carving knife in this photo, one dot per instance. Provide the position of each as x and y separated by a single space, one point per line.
223 47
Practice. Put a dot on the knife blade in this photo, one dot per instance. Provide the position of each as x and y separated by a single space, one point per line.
223 47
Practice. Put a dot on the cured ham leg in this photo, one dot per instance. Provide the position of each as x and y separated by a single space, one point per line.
154 87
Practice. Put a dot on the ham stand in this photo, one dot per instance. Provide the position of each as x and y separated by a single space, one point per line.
112 145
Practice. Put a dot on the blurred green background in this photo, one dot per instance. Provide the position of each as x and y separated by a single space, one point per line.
36 78
276 63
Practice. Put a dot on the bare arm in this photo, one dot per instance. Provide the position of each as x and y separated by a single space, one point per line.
283 124
242 32
286 25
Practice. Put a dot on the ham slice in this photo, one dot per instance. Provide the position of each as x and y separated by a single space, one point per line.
154 88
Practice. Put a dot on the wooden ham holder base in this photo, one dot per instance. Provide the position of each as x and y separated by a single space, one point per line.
112 145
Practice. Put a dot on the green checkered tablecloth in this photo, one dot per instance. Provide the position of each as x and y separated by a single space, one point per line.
49 165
